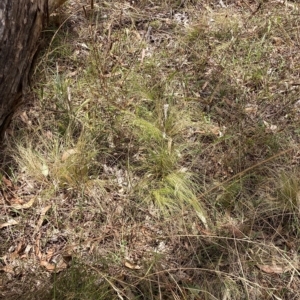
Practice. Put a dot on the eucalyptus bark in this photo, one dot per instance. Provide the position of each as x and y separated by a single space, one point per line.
21 24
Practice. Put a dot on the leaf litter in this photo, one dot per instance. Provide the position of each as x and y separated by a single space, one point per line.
104 216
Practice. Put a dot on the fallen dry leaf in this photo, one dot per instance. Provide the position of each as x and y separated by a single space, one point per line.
72 74
50 267
131 266
16 201
7 269
43 213
49 254
270 127
68 153
278 41
251 109
37 248
26 251
45 209
23 206
19 249
215 130
8 223
205 231
7 182
56 267
41 219
25 118
273 269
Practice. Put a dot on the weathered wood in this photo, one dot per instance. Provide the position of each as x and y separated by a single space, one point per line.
21 24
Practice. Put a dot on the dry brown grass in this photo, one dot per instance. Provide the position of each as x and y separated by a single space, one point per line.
158 157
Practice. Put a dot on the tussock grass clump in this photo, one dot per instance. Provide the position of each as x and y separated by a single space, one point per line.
288 192
158 158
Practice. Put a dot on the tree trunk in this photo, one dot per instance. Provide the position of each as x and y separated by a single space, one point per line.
21 24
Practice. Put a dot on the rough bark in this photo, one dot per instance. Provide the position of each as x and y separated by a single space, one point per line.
21 24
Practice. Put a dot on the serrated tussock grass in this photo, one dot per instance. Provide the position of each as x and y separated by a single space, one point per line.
165 143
